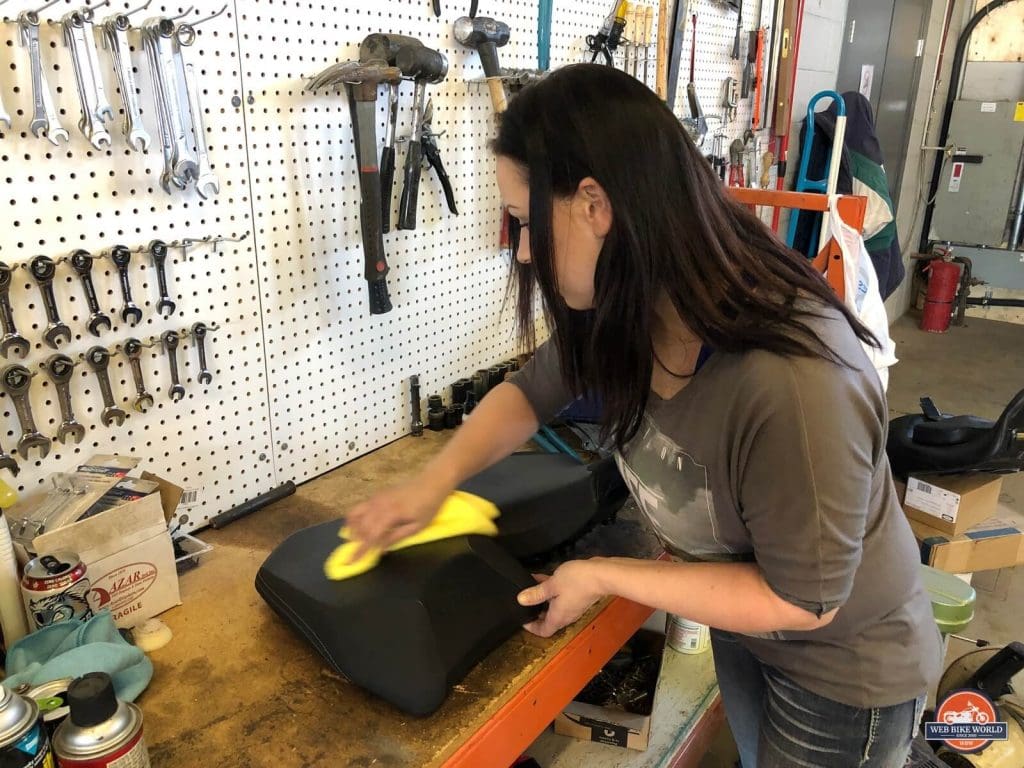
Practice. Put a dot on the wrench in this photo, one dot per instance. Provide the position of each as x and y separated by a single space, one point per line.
44 116
99 360
170 341
103 109
162 33
16 380
207 185
12 341
79 39
133 351
199 331
158 252
43 269
8 462
115 38
122 257
150 44
60 369
81 262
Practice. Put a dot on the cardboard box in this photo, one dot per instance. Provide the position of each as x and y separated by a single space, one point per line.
952 503
128 555
995 543
611 725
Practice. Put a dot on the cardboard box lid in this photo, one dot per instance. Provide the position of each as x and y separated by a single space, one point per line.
994 543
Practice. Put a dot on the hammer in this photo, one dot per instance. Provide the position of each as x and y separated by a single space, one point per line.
382 49
424 65
486 36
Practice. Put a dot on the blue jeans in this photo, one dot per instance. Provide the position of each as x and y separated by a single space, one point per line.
779 724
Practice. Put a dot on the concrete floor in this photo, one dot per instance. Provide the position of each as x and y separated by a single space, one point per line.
975 369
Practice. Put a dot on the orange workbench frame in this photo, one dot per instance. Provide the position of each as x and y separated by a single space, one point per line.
518 723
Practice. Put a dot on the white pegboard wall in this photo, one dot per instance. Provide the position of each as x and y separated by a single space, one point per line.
73 196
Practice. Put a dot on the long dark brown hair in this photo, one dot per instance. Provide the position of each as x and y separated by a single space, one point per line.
675 229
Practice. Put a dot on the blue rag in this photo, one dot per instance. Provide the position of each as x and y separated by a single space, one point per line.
73 648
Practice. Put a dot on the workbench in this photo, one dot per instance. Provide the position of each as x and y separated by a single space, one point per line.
237 687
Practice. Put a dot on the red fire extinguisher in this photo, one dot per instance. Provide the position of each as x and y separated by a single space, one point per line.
943 279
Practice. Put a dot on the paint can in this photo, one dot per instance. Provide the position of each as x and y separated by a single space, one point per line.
687 636
101 731
55 588
52 700
24 742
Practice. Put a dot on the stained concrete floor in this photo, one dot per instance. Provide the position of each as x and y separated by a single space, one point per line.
974 369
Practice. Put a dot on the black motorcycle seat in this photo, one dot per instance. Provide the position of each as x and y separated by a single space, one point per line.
951 431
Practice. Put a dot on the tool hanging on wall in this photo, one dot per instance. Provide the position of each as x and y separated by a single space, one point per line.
736 159
80 40
607 40
430 151
648 40
678 39
382 49
739 32
45 119
661 78
696 112
473 6
115 40
544 34
361 82
730 99
757 76
486 35
424 65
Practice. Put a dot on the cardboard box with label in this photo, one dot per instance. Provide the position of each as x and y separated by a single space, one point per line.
951 503
997 542
127 551
612 725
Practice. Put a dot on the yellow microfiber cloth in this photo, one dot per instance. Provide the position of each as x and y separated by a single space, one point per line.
461 514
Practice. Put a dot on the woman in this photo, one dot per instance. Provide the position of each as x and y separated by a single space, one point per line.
748 422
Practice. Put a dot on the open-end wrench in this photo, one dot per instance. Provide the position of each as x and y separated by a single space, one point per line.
8 462
133 351
12 341
5 117
44 115
104 111
158 252
16 381
122 257
170 341
60 369
199 331
115 38
43 269
207 183
99 360
81 262
150 42
79 39
163 34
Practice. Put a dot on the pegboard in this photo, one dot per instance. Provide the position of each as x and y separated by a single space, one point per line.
305 378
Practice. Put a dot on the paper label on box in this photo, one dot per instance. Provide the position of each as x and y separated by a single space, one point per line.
988 106
190 497
932 500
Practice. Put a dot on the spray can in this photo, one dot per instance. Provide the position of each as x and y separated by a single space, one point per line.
23 740
687 636
101 731
55 588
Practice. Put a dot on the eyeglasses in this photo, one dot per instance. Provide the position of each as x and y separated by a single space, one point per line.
515 231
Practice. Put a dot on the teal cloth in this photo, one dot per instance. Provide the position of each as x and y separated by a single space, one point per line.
73 648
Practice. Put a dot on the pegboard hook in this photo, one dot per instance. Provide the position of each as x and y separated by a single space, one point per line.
183 15
37 11
208 18
139 9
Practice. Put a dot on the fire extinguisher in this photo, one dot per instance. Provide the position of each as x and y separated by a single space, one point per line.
943 279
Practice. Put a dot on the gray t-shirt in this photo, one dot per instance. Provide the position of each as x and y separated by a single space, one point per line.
781 460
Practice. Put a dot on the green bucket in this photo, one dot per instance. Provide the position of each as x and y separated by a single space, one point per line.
952 599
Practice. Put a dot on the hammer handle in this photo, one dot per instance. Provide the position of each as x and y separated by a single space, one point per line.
498 98
411 186
387 183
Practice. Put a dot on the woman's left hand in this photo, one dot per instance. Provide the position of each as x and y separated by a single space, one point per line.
569 592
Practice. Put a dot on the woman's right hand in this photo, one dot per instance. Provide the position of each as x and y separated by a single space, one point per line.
393 514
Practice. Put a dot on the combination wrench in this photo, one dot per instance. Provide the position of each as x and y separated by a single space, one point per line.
122 257
8 462
60 369
158 252
163 39
12 341
44 114
16 381
207 184
98 359
80 40
170 340
81 262
199 332
115 40
133 351
43 268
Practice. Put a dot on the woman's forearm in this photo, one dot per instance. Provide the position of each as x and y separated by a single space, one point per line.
730 596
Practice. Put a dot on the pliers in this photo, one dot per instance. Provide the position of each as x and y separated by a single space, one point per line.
472 8
428 140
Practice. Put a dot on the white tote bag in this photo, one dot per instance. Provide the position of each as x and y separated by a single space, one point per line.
862 294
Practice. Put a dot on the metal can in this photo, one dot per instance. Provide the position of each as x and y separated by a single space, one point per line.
687 636
55 588
24 742
52 700
101 731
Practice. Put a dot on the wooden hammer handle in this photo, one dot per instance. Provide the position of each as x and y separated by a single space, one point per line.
663 25
498 98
